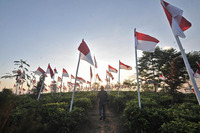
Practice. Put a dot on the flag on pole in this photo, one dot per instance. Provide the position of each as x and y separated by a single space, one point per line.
72 77
49 70
145 42
81 79
65 74
123 66
97 76
95 62
59 79
55 71
162 77
109 74
88 82
177 22
85 52
91 72
112 69
39 71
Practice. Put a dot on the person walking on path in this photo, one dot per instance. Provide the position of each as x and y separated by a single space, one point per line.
102 95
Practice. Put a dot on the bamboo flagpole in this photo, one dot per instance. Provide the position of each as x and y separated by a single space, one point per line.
138 86
75 83
119 79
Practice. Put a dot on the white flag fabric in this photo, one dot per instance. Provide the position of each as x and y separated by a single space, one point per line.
177 22
65 74
85 52
145 42
123 66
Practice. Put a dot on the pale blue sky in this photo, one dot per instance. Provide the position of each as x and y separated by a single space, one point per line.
50 31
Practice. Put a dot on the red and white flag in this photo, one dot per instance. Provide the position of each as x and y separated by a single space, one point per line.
95 62
59 79
88 82
109 75
97 76
123 66
162 77
65 74
55 71
177 22
72 77
91 72
145 42
49 70
112 69
85 52
39 71
81 79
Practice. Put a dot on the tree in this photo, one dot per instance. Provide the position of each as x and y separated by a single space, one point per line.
20 73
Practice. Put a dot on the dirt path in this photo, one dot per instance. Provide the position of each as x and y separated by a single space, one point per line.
110 125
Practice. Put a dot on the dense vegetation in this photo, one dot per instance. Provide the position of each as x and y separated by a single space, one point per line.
50 114
158 114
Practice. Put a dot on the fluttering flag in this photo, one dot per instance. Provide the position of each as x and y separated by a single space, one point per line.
112 69
39 71
91 72
123 66
162 77
59 79
85 52
109 74
145 42
72 77
55 71
97 76
95 62
65 74
177 22
81 79
49 70
88 82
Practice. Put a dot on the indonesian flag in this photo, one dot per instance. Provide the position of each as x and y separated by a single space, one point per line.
72 77
123 66
91 72
65 74
162 77
112 69
145 42
34 81
49 70
177 22
39 71
85 52
64 88
46 90
59 79
55 71
97 76
81 79
69 83
109 74
95 62
88 82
